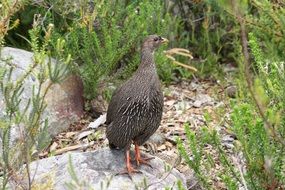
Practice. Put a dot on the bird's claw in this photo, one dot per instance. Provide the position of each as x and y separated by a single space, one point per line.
129 172
144 161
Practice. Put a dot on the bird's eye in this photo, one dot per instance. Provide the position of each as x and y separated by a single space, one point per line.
156 39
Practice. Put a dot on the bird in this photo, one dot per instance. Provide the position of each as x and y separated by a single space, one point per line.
135 110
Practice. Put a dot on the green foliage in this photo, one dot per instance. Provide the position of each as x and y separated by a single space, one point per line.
165 69
7 10
267 23
104 37
202 162
263 155
209 33
119 27
102 41
271 75
195 160
261 146
266 156
26 117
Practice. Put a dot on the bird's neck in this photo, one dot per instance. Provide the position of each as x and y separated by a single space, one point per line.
147 61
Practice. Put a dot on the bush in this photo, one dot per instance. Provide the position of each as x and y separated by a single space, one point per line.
118 30
102 37
209 33
27 118
257 120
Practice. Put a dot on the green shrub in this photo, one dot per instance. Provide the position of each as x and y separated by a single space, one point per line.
257 119
122 44
33 136
208 32
103 37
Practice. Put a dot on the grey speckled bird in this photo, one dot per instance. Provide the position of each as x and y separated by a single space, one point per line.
135 110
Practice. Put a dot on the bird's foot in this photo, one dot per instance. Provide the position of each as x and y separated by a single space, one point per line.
140 159
144 161
129 171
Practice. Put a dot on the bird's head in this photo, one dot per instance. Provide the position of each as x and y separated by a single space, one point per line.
153 41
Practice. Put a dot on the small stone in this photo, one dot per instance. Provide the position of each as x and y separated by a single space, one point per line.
99 105
227 141
197 104
169 103
228 68
70 134
231 91
227 138
157 138
203 99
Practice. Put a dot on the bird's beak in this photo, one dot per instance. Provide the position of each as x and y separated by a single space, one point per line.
164 40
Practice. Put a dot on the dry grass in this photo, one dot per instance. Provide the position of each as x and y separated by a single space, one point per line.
180 51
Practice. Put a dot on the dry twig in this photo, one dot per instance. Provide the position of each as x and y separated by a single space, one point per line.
180 51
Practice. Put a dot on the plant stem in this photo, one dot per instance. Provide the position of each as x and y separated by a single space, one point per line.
248 77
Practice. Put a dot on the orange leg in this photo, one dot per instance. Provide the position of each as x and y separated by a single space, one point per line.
139 159
129 169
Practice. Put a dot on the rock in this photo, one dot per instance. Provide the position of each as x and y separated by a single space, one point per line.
157 138
231 91
228 141
22 59
228 138
97 169
64 100
229 68
194 86
99 104
182 105
65 104
203 99
197 104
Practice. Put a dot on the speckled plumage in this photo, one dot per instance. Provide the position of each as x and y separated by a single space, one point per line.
135 110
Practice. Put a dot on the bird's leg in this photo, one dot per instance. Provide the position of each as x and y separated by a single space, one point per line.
129 169
139 159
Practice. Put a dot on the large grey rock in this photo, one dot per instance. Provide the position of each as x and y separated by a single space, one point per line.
64 104
64 101
21 60
97 169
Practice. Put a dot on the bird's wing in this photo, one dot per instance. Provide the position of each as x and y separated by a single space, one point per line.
124 103
113 106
